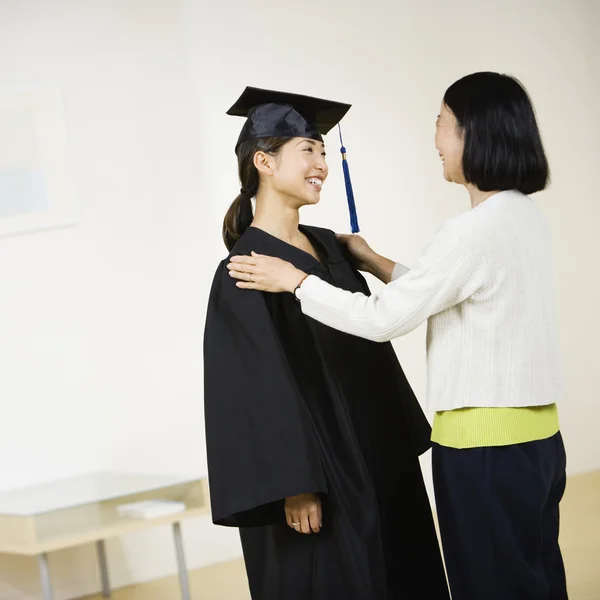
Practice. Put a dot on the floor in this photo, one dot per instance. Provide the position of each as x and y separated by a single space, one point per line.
580 539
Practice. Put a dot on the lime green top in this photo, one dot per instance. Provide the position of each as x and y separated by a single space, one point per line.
479 427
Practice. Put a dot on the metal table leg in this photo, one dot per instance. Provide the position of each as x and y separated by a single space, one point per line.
45 577
103 565
183 574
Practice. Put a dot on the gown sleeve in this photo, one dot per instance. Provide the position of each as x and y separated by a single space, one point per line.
260 443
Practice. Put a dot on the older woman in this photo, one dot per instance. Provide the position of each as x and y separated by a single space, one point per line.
485 286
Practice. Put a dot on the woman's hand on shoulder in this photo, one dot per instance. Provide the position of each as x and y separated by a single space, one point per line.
366 259
264 273
362 254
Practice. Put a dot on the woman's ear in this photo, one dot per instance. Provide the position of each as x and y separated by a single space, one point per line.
262 162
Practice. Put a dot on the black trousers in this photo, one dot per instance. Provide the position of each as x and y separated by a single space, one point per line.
499 519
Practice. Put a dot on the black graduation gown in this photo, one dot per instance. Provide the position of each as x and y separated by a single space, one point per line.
293 406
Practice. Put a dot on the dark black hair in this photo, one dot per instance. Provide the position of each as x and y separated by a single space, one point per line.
239 216
503 148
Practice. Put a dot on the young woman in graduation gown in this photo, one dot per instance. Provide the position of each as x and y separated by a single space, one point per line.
313 436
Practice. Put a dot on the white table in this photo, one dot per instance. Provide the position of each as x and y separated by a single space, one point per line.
37 520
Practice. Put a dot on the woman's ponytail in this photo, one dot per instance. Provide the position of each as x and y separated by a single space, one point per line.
238 219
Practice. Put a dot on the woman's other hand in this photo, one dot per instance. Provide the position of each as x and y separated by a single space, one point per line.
303 513
366 259
264 273
362 254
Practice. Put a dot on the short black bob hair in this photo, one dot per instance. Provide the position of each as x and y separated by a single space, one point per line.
502 144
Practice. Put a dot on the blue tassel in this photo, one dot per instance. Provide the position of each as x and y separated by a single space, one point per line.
349 190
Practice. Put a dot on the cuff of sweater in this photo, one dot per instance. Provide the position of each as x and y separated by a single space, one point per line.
398 271
311 282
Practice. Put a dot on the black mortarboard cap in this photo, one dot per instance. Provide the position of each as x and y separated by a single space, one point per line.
279 114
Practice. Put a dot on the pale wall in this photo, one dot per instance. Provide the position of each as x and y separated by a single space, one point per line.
100 347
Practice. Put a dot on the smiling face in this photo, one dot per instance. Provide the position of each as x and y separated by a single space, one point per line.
449 142
300 171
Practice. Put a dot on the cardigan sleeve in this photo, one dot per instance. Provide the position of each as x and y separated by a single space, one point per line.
446 274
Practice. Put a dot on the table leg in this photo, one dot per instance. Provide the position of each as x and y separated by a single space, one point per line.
183 575
45 577
103 565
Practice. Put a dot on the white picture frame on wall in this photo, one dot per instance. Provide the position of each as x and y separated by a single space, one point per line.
37 190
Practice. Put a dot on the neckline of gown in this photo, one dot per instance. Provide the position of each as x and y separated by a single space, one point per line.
324 255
